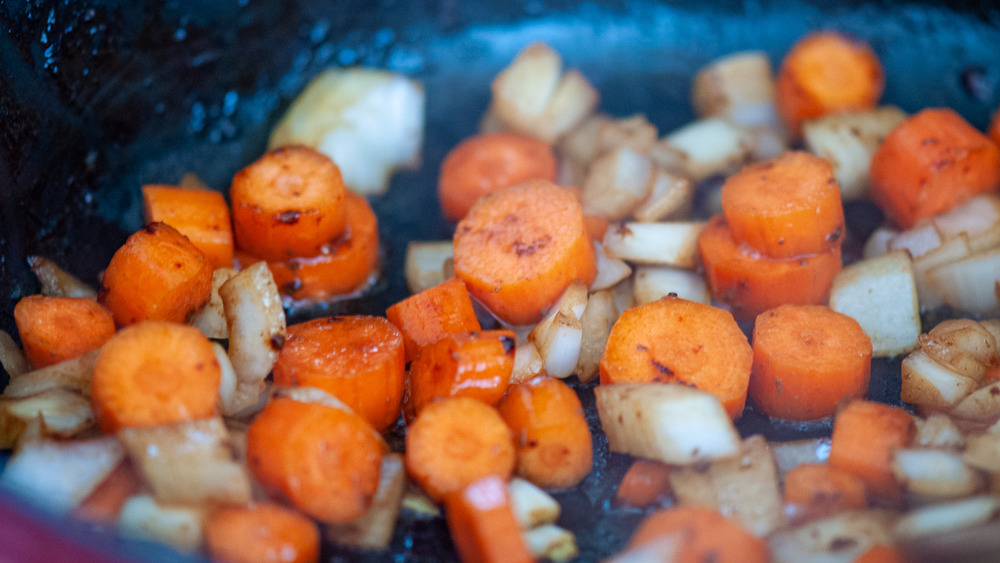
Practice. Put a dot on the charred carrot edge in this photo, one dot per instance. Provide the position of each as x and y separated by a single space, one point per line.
200 215
425 317
261 532
807 358
157 275
56 329
705 535
482 523
646 483
154 373
358 359
675 340
105 502
815 490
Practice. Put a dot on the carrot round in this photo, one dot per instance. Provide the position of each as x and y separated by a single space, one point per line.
786 207
483 526
806 359
324 460
154 373
827 72
675 340
157 275
265 533
105 502
434 312
288 203
815 490
520 247
357 359
705 535
645 483
750 284
554 449
865 435
930 163
55 329
483 164
200 215
456 441
471 364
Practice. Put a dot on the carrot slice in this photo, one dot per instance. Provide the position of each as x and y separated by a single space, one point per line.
705 535
865 435
359 360
994 130
675 340
483 164
157 275
200 215
815 490
262 532
750 284
434 312
56 329
470 364
288 203
154 373
596 226
786 207
520 247
105 502
554 449
324 460
646 483
482 524
930 163
456 441
343 265
827 72
806 359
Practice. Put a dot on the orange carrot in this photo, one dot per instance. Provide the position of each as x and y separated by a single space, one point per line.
826 72
816 490
596 226
434 312
483 164
288 203
865 435
265 533
520 247
456 441
324 460
200 215
930 163
994 130
55 329
154 373
675 340
806 359
482 524
881 554
105 502
705 535
469 364
158 275
359 360
554 449
786 207
750 284
646 483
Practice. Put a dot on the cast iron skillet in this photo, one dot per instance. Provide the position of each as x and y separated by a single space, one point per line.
96 100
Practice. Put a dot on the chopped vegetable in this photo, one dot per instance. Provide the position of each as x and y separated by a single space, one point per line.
704 534
425 317
470 364
375 528
865 435
814 490
646 483
200 215
56 329
261 532
482 524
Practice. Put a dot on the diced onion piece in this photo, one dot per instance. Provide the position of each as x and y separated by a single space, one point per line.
981 405
655 282
945 517
551 542
11 357
670 194
424 267
583 144
976 216
416 501
878 243
665 421
985 240
917 240
211 320
930 384
559 334
881 295
950 251
309 395
938 431
706 147
982 451
971 284
60 413
933 473
838 539
616 183
528 363
788 455
532 506
574 99
962 345
596 322
227 381
666 244
179 526
609 270
740 86
375 527
57 282
623 296
75 374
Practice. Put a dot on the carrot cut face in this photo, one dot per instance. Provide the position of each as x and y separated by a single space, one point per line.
751 284
431 314
705 535
807 358
471 364
675 340
324 460
930 163
105 502
154 373
786 207
359 360
200 215
486 163
865 435
288 203
482 524
815 490
645 483
520 247
554 449
157 275
56 329
265 532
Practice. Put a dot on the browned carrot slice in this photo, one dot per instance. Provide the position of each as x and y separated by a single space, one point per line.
482 524
645 483
55 329
200 215
427 316
814 490
865 435
705 535
265 533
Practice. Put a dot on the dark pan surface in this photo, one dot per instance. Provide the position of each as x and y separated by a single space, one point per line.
97 99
